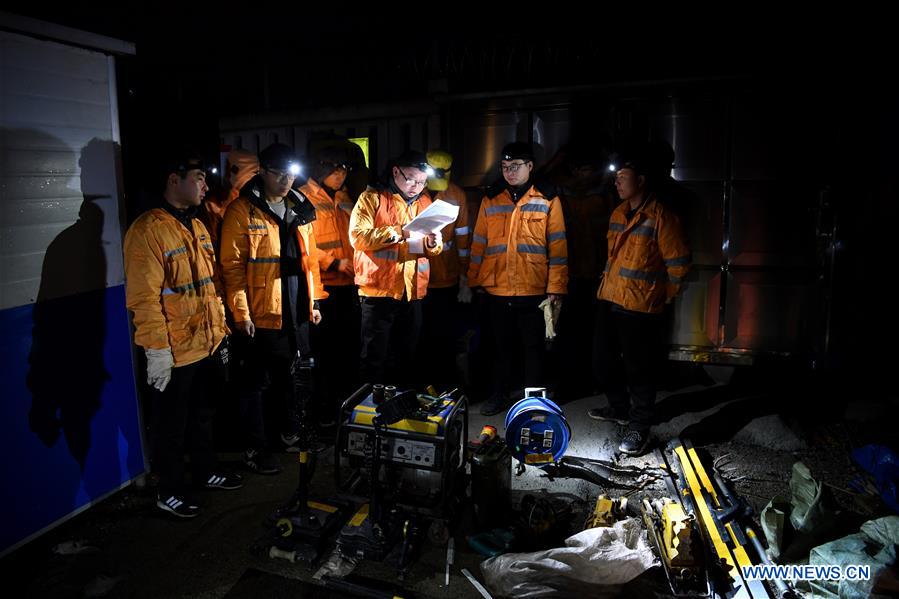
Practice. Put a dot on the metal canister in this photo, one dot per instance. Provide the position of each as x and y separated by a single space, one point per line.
377 394
491 482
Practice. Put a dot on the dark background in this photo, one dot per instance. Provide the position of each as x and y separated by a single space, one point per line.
198 62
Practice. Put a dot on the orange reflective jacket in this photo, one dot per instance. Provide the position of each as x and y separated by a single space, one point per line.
383 263
172 288
519 248
251 262
453 260
648 258
240 168
332 230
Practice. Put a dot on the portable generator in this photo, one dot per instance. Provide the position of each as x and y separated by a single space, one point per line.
422 441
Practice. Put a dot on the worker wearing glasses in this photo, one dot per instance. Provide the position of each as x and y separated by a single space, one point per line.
519 257
273 288
392 270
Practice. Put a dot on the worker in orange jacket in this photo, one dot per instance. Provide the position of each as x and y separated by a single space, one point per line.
519 257
648 260
240 167
336 340
392 270
179 319
448 282
270 267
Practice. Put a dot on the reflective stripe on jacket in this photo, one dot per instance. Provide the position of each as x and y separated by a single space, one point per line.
172 288
648 258
385 267
519 248
251 264
332 230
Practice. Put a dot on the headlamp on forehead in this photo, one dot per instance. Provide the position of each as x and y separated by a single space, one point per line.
612 167
412 159
439 164
518 150
422 166
336 165
279 157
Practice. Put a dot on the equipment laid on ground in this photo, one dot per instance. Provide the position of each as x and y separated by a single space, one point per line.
492 543
301 528
421 440
536 430
491 479
679 545
783 591
538 435
305 534
679 542
477 585
607 512
363 537
405 453
718 513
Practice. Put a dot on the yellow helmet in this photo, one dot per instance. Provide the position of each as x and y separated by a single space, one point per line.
440 162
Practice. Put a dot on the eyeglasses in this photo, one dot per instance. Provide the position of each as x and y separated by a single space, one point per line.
281 176
414 182
512 168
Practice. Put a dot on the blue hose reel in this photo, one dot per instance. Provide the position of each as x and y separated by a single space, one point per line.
537 433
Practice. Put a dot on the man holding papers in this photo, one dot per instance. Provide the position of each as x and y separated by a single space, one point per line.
391 267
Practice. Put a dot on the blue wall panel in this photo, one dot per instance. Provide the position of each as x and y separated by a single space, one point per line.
69 422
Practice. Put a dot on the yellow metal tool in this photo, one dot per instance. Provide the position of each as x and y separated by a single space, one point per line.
724 537
607 511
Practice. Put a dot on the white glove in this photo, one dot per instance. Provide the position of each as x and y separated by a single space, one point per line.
551 310
159 368
464 296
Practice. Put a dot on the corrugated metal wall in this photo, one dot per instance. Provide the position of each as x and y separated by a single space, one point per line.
58 149
390 131
69 414
753 287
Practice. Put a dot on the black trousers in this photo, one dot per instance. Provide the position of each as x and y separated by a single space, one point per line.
627 359
335 342
183 418
266 359
517 326
390 332
440 325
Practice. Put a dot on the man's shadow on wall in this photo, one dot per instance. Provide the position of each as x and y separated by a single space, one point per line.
67 368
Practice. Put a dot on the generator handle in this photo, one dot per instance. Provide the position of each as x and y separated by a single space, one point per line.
353 400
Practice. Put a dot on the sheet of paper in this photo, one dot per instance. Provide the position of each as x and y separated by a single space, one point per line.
433 218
